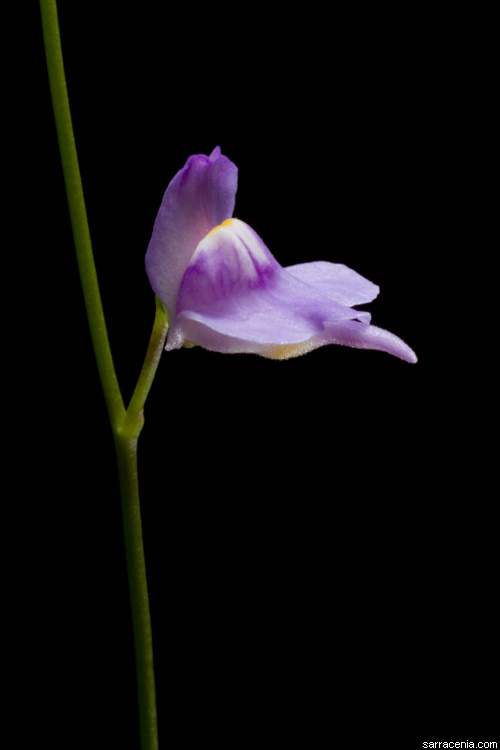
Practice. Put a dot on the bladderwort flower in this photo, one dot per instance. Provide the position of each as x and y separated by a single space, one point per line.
225 291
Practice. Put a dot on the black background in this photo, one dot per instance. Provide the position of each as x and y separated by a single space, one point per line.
318 537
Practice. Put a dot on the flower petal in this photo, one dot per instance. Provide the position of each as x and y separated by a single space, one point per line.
236 289
200 196
339 282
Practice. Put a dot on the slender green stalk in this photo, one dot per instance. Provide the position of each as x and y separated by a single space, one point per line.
126 451
134 421
77 210
126 424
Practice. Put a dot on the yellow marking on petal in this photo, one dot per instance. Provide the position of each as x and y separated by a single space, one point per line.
225 223
286 351
188 344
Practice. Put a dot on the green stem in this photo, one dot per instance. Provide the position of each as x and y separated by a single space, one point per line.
126 438
126 451
126 424
78 213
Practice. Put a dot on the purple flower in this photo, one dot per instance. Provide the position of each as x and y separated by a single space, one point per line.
225 291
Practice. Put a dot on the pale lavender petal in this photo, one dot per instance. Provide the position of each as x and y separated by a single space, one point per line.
346 333
200 196
234 286
339 282
209 338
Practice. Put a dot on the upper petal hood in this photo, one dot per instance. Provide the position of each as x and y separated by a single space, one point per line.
200 196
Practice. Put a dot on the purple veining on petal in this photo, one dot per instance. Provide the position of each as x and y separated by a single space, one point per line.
223 267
